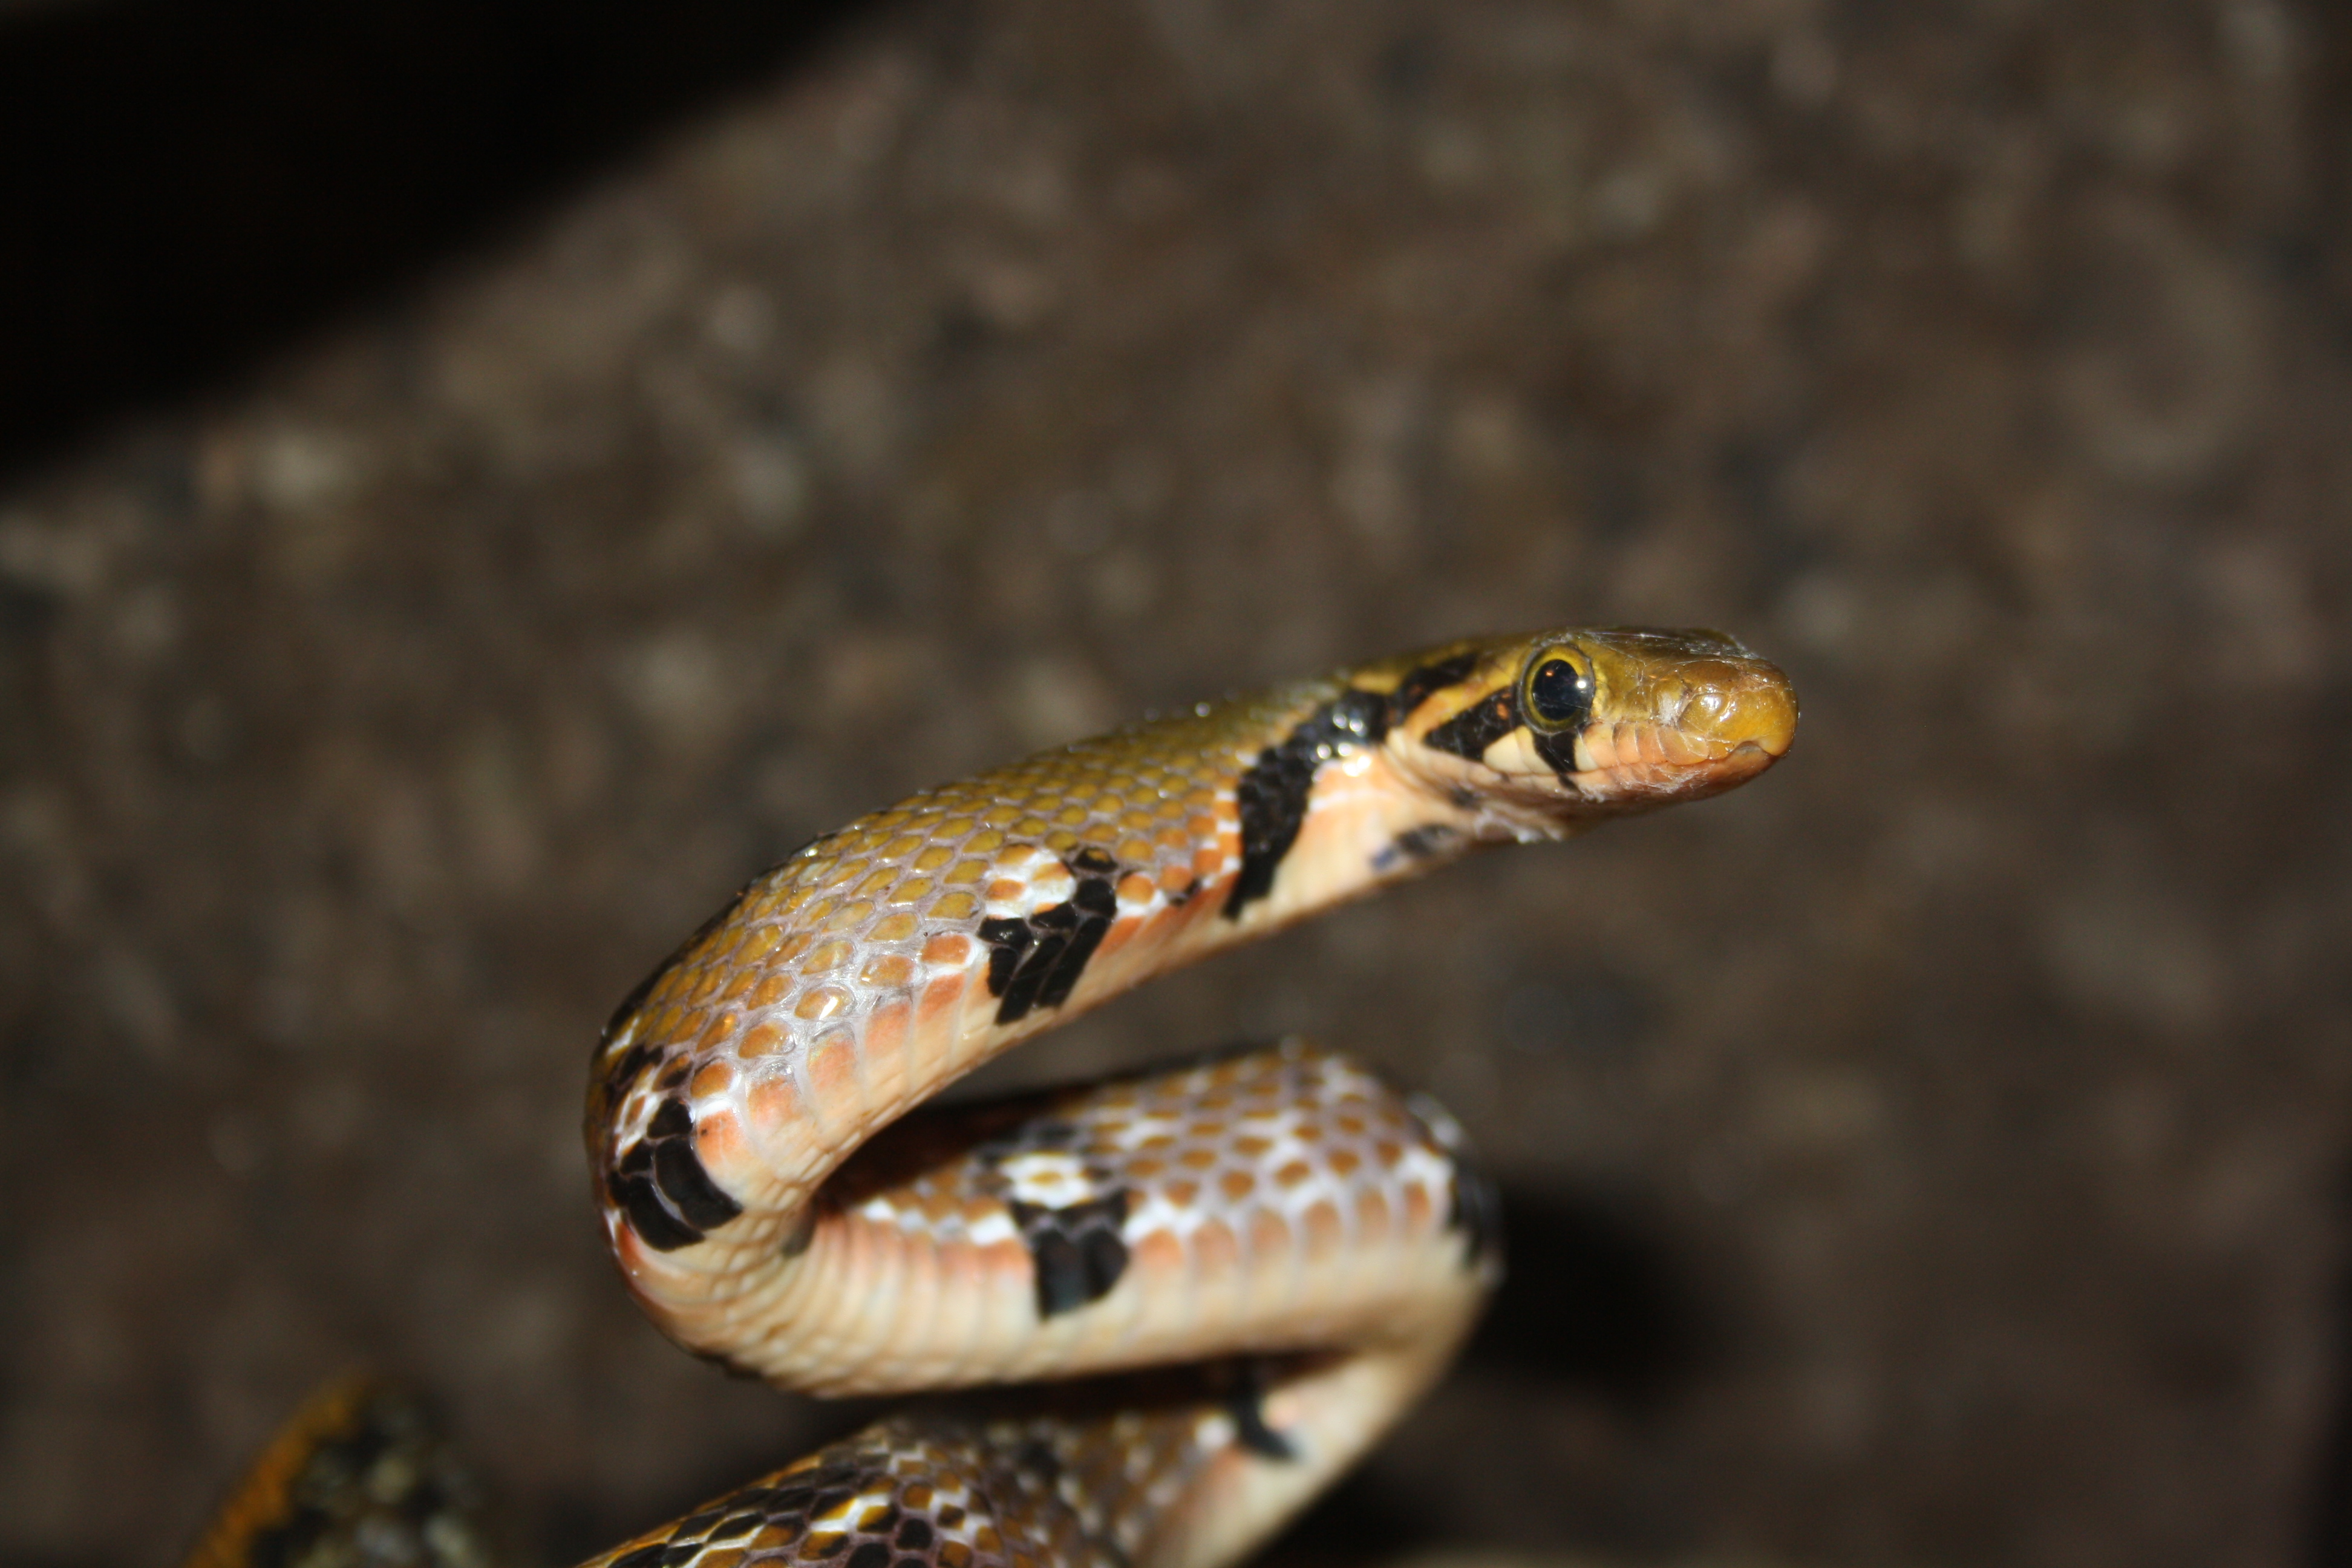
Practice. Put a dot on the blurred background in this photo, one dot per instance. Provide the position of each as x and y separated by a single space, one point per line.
476 481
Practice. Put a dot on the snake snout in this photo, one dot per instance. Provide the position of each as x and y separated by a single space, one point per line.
1724 707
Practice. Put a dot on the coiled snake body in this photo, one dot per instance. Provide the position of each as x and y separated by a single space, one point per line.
1302 1245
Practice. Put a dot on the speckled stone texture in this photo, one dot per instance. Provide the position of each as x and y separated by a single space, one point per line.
1930 1154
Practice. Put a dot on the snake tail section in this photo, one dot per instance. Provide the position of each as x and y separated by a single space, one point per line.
360 1477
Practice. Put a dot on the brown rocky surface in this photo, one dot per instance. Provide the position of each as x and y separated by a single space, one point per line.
1930 1154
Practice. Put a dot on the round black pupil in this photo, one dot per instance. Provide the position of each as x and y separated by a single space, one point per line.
1557 692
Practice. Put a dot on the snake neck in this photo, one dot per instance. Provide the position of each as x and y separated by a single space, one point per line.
879 964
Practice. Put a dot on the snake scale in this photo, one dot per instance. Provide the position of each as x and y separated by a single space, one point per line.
1230 1277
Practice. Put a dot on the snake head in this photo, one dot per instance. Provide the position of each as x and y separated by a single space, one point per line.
1541 734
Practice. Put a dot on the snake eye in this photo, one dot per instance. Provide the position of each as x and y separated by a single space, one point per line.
1559 695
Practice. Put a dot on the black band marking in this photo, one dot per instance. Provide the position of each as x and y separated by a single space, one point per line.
1429 839
1558 750
1420 685
1007 940
1476 1211
660 1184
1076 1250
1271 798
1245 1403
1037 962
1469 732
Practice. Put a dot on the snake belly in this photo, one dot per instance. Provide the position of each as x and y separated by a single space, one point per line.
1302 1246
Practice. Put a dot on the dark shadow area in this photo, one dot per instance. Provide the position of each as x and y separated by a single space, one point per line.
2331 1480
1593 1308
189 187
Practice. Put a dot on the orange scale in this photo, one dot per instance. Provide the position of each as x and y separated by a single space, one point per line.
883 1047
715 1036
774 1106
1158 1252
771 989
1208 860
1293 1173
833 1074
1417 1208
1326 1232
795 944
1144 1169
1174 877
739 983
1006 891
878 883
1122 931
1250 1146
1236 1185
948 949
1344 1161
1388 1154
942 997
1215 1249
889 969
1198 1159
1269 1234
1133 851
1371 1217
828 957
819 1003
759 1041
1183 1194
718 1142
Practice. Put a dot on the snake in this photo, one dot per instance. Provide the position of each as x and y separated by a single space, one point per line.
1221 1281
